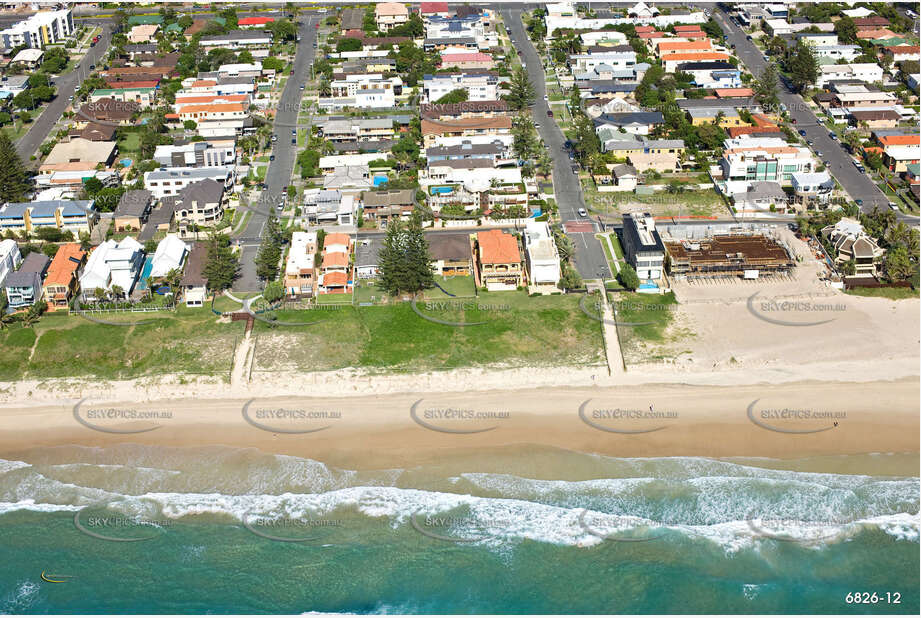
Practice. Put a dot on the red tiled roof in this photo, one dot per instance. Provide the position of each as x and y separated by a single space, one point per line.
684 45
737 131
695 56
642 29
428 8
734 92
334 259
117 85
335 278
650 35
497 247
465 57
337 238
900 140
62 268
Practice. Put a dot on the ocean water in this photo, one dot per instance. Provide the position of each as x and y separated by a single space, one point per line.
134 529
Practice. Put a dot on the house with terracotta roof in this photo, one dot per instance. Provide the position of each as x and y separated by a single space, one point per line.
142 33
336 265
902 53
464 127
876 34
666 47
498 260
471 60
62 281
434 9
388 15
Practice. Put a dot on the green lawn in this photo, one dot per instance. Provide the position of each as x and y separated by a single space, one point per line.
644 319
458 286
890 293
186 341
333 299
129 143
518 331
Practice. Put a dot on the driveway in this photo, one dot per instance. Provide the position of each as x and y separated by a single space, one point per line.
589 257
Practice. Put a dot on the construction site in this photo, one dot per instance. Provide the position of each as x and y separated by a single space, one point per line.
748 256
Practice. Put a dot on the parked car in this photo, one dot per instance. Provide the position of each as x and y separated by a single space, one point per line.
859 202
582 212
271 157
833 136
274 138
550 113
892 206
294 141
802 132
818 153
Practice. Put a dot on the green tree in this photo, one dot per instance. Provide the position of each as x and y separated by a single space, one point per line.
270 250
521 91
628 277
405 261
222 266
846 30
765 87
15 181
803 66
458 95
273 292
898 264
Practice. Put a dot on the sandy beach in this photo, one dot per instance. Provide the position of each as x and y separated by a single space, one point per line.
778 421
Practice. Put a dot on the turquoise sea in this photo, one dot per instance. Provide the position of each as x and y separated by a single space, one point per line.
134 529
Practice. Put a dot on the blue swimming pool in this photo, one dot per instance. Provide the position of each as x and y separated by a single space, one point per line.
379 180
145 272
442 190
126 162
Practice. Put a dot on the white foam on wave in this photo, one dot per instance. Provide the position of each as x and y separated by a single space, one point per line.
8 466
21 598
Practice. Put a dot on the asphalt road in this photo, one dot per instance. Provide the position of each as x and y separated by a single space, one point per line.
279 173
66 85
841 165
589 257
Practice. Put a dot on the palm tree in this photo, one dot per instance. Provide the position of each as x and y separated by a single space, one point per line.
117 291
5 320
150 283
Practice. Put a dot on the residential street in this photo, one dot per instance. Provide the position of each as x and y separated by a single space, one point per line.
589 256
279 172
66 84
857 185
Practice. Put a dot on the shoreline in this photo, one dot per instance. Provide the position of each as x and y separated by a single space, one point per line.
378 431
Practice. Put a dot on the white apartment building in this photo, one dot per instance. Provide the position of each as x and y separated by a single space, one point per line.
543 259
838 52
582 63
479 86
868 72
170 181
43 28
763 158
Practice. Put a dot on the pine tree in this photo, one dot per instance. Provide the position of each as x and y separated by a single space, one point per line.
14 179
222 266
405 261
270 250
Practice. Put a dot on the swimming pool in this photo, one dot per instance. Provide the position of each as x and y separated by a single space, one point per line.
126 162
379 180
145 272
442 190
